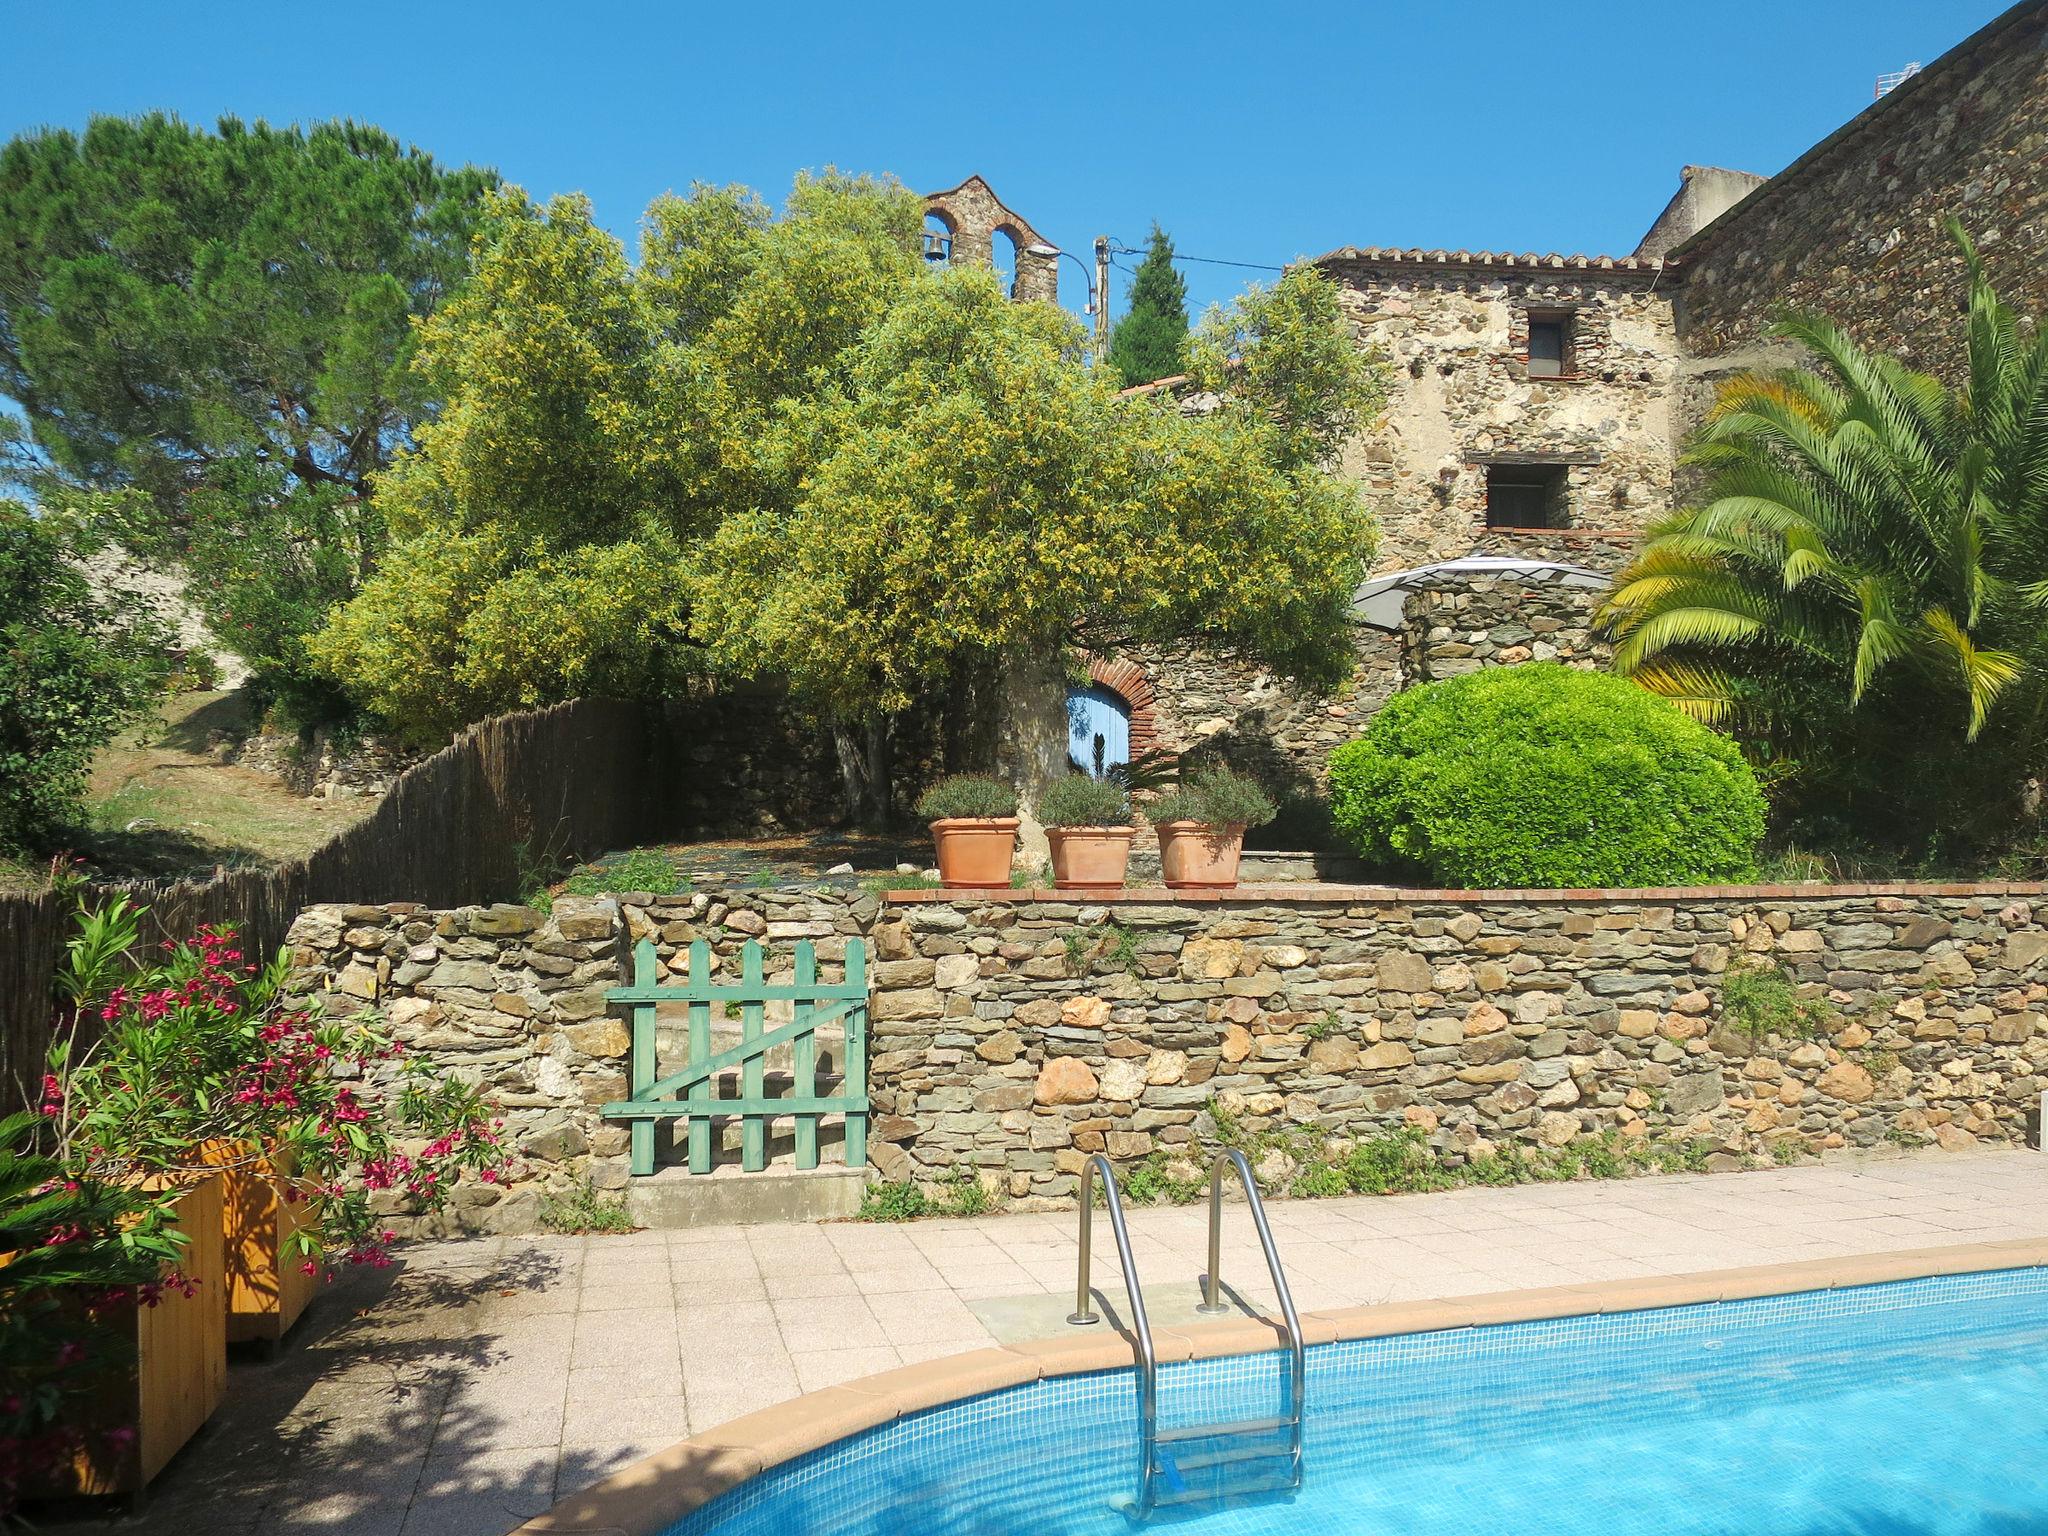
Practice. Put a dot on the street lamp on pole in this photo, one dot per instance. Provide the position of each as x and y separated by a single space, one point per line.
1095 295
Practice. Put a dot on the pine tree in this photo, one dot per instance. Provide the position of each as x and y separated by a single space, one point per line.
1151 341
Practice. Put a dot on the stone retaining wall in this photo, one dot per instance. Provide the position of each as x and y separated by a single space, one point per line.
1024 1035
1012 1036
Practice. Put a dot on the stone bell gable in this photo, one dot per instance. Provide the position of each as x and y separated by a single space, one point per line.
972 219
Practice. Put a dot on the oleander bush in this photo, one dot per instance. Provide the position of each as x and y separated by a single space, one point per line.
1542 775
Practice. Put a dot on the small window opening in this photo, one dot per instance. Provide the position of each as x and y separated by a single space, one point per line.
1526 496
1550 346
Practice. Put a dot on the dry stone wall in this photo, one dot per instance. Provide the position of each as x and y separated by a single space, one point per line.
512 999
1013 1037
1049 1030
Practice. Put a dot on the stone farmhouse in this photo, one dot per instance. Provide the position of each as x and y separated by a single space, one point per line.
1538 404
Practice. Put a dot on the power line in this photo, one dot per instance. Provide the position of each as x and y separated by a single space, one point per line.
1212 261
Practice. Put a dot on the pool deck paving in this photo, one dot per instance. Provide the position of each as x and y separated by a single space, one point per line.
483 1379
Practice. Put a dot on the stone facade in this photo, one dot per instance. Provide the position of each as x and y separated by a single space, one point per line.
1854 227
1453 329
1013 1037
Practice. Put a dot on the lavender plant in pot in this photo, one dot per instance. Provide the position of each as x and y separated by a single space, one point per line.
974 829
1087 823
1201 826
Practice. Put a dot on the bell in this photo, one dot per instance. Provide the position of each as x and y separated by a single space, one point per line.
937 247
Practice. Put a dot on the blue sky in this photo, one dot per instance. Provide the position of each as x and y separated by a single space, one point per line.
1253 132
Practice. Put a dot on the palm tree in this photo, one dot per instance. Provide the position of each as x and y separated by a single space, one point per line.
1864 589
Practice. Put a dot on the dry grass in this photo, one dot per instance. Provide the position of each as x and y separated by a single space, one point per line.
159 805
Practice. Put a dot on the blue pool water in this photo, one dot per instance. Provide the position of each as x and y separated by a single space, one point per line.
1912 1409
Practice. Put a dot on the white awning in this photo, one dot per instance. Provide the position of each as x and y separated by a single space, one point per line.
1381 601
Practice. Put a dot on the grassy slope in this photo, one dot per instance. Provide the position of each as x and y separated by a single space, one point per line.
158 805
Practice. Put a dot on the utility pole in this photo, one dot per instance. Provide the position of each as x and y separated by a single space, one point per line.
1101 297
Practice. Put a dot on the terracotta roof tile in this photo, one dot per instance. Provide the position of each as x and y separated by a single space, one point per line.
1415 256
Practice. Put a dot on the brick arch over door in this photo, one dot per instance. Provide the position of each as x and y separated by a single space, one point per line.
1128 682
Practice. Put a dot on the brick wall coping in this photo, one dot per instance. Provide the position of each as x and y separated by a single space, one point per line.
1308 894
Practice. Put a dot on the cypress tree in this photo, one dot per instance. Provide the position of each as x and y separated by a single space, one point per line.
1151 341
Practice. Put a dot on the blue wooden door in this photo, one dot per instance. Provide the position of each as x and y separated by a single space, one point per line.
1098 729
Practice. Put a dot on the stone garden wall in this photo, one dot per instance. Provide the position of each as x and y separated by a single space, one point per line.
1055 1030
513 998
1013 1037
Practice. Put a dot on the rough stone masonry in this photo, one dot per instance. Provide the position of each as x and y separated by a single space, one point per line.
1011 1037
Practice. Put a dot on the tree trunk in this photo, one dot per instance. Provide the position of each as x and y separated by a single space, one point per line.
1032 749
866 768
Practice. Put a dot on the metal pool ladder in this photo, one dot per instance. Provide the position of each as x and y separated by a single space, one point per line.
1163 1468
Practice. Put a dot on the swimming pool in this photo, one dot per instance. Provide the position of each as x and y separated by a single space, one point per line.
1915 1408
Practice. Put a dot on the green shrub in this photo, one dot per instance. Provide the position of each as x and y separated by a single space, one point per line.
1079 801
1758 997
967 794
1542 775
1216 797
641 869
79 660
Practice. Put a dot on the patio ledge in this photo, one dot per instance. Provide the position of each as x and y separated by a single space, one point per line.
1312 893
654 1493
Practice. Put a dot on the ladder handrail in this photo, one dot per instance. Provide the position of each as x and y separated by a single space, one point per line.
1211 1297
1084 1311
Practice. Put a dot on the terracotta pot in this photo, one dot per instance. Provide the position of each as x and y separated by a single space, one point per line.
1194 855
268 1286
1090 858
175 1371
975 850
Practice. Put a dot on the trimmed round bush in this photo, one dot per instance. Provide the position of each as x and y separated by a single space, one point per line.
1542 775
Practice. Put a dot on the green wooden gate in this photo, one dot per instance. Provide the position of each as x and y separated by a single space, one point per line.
815 1002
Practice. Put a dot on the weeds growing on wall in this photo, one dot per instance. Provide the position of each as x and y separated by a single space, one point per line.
1401 1161
1758 998
585 1210
960 1194
1110 948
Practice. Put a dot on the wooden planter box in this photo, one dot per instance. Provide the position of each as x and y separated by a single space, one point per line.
177 1375
267 1286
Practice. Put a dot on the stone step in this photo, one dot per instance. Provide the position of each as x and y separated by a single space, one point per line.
672 1198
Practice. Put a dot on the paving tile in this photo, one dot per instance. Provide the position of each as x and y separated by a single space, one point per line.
809 1281
820 1368
827 1322
661 1417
